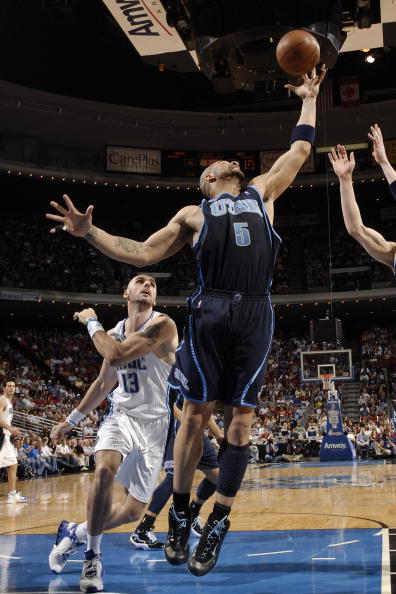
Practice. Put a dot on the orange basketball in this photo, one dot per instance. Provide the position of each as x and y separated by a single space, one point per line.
298 52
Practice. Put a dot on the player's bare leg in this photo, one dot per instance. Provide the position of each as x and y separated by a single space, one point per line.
187 453
233 460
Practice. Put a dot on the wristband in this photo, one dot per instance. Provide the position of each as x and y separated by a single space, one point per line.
303 132
94 326
392 188
75 417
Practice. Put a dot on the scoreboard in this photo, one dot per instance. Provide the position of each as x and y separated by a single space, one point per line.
191 163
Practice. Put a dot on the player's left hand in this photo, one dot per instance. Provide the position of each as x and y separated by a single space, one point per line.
341 164
84 315
310 86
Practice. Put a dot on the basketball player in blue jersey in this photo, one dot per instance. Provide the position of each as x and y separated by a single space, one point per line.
373 242
137 355
230 323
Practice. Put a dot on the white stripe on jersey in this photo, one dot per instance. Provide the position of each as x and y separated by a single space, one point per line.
7 415
142 384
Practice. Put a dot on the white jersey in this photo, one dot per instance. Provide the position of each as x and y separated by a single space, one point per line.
7 415
142 384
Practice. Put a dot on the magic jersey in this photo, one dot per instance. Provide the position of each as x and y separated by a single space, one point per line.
7 415
237 245
142 384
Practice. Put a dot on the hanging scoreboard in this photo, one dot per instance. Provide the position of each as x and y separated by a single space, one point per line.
191 163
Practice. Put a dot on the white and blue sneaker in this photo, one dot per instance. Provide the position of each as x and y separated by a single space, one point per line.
92 573
66 545
197 527
14 497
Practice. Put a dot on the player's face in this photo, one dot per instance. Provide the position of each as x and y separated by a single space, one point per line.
225 169
9 389
142 289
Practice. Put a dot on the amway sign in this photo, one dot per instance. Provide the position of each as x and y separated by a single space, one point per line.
144 23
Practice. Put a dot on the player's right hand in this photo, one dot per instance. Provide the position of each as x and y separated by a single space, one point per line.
60 430
75 222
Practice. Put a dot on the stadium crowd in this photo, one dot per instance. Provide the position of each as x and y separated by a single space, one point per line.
52 371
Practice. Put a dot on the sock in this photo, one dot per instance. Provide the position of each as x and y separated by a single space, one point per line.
81 531
146 524
93 543
195 508
161 495
12 493
232 467
181 502
219 511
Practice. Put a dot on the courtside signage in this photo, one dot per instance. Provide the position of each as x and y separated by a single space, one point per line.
133 160
144 23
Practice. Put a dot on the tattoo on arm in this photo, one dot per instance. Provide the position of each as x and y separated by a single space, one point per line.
92 234
152 332
129 245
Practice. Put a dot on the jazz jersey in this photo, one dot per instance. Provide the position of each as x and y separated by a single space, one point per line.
142 384
237 245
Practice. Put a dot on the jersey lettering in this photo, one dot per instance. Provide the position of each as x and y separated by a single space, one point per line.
221 207
137 364
131 383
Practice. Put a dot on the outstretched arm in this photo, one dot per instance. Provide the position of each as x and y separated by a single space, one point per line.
285 169
96 392
380 156
372 241
160 331
162 244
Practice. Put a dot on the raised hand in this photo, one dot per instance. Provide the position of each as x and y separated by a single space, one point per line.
75 222
310 86
341 164
379 152
84 315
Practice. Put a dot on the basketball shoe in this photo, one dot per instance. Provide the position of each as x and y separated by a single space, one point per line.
146 540
15 497
196 527
92 573
206 553
176 546
66 545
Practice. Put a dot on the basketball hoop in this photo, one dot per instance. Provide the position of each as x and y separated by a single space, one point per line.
326 379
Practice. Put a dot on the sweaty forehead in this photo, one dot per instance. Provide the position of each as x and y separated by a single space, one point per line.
143 277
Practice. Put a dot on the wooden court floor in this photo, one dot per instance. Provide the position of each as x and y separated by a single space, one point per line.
273 497
311 527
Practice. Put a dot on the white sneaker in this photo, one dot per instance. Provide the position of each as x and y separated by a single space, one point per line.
16 498
66 545
197 527
92 572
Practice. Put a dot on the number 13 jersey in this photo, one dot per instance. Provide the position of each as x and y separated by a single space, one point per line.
142 384
237 245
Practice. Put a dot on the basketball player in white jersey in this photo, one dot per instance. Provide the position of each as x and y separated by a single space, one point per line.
373 242
138 354
7 453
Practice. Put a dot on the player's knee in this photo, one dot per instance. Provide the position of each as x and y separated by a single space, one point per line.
104 474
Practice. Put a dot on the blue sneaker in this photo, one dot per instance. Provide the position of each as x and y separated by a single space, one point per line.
92 573
66 545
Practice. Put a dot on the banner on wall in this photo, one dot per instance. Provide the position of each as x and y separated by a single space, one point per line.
133 160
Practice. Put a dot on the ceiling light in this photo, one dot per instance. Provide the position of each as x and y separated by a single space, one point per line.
370 58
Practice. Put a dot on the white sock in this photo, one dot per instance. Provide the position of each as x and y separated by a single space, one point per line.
81 531
93 543
12 493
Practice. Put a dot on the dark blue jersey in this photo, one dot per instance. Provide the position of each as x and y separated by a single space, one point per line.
237 246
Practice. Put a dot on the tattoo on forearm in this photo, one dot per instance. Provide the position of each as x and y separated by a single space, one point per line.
129 245
152 332
92 234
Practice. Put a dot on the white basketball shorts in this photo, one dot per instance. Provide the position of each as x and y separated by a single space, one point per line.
141 444
7 453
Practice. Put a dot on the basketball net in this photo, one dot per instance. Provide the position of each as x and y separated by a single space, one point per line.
326 378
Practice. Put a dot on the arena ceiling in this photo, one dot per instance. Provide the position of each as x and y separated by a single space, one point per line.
75 47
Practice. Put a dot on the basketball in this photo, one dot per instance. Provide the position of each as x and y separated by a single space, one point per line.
298 52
